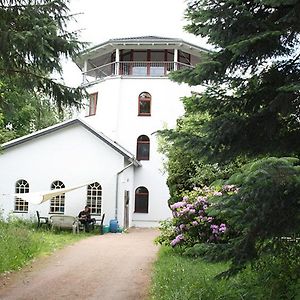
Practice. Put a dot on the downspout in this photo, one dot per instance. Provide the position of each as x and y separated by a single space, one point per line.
117 188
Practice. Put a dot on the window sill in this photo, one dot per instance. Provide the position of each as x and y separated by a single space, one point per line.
139 212
20 212
90 115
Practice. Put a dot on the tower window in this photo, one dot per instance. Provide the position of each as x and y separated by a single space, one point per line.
143 148
141 200
144 104
93 104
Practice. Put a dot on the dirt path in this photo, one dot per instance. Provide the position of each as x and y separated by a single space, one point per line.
108 267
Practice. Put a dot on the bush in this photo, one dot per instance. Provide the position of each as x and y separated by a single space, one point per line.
191 224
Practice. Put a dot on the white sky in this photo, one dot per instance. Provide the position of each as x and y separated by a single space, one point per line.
101 20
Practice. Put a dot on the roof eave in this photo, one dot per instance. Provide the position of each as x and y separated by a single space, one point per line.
113 44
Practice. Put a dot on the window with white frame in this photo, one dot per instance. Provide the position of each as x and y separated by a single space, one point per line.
22 186
94 198
57 203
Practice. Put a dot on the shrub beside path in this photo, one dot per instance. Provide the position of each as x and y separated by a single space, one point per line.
107 267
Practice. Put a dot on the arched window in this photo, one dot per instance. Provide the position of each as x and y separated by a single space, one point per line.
144 104
94 198
141 200
22 186
143 148
57 203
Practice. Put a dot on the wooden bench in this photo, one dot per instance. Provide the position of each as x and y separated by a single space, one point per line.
64 222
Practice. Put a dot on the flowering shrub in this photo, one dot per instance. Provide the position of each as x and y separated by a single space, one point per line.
192 223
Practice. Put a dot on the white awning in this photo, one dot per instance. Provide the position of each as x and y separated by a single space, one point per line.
40 197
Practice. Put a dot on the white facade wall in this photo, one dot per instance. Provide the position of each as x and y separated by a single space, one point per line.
117 116
72 155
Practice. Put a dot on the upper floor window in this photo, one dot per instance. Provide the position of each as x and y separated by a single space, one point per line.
94 198
93 104
144 104
57 203
143 148
22 186
141 200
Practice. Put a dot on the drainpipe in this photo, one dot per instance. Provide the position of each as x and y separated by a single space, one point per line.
117 188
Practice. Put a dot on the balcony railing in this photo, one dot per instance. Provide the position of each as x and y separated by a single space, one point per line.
133 68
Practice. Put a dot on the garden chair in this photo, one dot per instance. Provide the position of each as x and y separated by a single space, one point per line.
42 220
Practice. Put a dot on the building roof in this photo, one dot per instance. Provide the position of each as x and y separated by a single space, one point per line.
144 38
114 145
143 42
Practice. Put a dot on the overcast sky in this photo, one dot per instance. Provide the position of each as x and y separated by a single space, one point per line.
101 20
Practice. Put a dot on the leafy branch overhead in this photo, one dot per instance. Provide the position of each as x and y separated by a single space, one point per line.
253 76
33 39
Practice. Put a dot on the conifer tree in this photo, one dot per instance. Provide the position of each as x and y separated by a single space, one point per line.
33 39
253 78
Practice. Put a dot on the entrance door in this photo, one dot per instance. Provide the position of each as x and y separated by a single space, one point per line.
126 209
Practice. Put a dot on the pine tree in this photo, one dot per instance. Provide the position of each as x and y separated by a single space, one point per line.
33 39
253 77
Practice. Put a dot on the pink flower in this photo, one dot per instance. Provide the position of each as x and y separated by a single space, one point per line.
177 205
177 240
217 194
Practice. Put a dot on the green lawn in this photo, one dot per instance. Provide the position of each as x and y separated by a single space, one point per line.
177 277
21 242
181 278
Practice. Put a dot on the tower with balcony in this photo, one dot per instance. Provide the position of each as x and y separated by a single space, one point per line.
130 99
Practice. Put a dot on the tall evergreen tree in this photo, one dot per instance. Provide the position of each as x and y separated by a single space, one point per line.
33 39
250 109
253 78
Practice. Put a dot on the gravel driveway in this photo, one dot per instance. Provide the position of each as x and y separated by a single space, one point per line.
107 267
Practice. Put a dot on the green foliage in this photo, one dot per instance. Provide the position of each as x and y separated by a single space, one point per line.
166 229
25 112
33 39
186 165
180 277
20 243
252 98
265 208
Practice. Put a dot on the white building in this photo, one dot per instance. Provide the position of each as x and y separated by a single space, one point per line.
113 146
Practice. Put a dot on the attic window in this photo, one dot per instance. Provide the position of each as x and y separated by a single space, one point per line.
93 104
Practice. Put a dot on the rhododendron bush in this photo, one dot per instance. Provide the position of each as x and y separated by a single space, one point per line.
192 223
243 219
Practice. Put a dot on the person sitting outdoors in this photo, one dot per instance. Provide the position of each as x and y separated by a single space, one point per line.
85 218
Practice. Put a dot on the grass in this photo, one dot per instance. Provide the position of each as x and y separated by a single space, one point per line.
21 242
178 277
